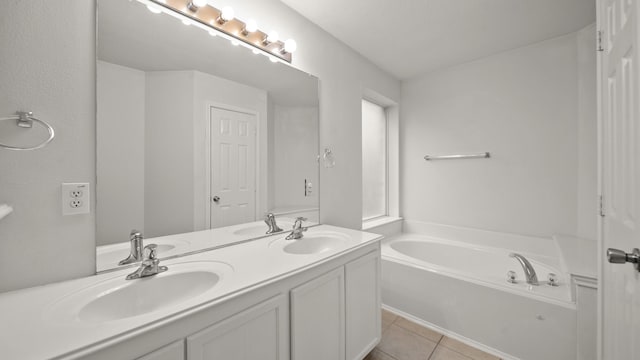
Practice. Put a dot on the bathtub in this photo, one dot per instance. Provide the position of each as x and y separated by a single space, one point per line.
453 280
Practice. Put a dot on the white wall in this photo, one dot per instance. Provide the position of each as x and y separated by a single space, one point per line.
524 107
169 162
120 152
587 205
47 65
295 147
344 75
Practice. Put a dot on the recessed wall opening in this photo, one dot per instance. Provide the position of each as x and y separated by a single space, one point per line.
374 161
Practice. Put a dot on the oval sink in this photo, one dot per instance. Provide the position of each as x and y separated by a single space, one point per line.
313 243
117 298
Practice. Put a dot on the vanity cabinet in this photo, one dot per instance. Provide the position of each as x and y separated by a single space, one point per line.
363 302
174 351
318 318
337 315
259 332
326 311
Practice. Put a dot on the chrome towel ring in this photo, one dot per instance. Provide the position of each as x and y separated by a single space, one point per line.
25 119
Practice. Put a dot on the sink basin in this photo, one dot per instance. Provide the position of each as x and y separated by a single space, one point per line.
116 298
313 243
261 229
108 256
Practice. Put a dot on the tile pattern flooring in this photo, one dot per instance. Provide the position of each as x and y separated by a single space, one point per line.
405 340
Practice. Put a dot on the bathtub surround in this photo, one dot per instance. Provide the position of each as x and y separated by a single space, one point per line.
47 66
534 109
468 295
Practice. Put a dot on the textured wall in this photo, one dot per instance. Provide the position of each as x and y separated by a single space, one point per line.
47 65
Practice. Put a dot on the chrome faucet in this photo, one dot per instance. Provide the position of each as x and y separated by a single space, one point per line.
297 229
149 266
136 248
529 272
270 220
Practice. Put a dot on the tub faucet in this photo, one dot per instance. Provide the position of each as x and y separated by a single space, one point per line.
149 266
529 272
270 220
136 248
297 230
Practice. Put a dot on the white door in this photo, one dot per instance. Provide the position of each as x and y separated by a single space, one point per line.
620 177
233 167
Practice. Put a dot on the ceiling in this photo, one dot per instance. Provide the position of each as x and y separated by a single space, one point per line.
130 35
411 37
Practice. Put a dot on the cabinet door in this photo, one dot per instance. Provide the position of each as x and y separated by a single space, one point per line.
317 318
259 332
362 287
174 351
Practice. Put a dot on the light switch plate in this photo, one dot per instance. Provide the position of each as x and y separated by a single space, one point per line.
75 198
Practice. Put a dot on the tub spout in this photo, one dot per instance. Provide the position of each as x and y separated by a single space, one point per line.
529 272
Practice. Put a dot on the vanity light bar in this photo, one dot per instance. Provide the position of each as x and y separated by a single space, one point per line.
233 28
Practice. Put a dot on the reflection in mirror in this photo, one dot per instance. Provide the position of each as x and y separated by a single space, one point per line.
195 134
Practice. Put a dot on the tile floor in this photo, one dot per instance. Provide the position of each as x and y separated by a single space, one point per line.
405 340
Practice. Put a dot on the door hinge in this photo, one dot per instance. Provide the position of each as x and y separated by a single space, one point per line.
601 206
599 36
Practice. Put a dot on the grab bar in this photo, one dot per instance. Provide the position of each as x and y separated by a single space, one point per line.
25 119
483 155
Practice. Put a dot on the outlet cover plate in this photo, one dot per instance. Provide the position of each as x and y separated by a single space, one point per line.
75 198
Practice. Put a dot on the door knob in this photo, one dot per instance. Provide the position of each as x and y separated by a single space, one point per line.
216 199
616 256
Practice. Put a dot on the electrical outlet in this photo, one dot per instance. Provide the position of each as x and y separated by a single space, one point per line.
75 198
308 188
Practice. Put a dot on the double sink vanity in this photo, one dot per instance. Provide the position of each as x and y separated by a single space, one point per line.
316 297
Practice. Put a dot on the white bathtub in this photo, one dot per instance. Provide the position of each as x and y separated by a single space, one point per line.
458 286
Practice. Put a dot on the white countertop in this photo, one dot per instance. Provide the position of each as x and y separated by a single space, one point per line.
194 241
31 330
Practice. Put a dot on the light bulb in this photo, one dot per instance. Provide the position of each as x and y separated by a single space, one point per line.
250 27
272 37
227 13
290 46
193 5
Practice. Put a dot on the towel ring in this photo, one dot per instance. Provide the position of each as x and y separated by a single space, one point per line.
25 119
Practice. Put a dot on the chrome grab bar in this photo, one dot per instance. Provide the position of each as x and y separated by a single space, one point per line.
484 155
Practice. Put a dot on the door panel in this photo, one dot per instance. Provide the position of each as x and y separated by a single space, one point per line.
620 187
233 167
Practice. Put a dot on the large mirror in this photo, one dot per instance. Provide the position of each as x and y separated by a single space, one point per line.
195 135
